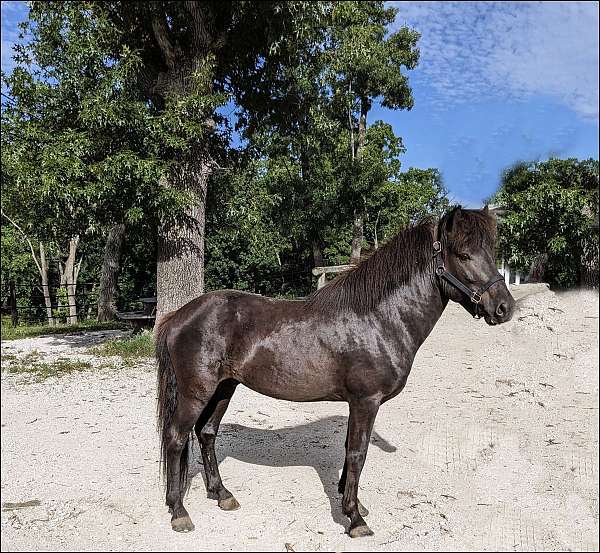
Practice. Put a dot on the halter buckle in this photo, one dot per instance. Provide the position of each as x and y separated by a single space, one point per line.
475 297
437 246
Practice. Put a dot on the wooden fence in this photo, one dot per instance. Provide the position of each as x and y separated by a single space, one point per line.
26 302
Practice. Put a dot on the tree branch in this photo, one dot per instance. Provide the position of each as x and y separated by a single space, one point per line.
26 238
161 33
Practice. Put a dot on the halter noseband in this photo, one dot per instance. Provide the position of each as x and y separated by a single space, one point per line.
474 296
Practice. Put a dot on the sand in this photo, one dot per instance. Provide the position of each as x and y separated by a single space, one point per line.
493 445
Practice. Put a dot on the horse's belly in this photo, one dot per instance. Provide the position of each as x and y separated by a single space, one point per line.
290 378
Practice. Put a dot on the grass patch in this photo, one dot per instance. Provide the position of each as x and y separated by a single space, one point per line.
28 365
135 347
8 332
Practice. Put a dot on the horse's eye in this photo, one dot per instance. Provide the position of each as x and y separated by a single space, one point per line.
464 256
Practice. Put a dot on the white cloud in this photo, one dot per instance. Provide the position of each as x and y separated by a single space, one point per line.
478 50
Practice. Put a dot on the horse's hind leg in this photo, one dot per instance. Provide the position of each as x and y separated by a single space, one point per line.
207 428
178 434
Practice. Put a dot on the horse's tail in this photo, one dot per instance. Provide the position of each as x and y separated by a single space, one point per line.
167 400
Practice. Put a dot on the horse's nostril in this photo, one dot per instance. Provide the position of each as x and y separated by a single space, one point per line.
501 310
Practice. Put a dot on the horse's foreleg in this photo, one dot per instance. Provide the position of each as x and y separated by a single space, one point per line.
360 423
342 483
207 428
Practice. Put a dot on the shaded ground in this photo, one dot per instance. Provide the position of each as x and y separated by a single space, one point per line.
493 445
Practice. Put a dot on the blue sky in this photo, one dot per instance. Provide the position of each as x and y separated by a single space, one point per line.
497 82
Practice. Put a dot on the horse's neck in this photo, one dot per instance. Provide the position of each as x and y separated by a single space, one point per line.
413 310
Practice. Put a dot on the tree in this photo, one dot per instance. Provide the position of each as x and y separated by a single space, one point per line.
192 55
16 261
366 64
289 120
550 209
117 119
75 147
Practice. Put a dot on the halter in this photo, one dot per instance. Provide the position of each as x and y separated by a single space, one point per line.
474 296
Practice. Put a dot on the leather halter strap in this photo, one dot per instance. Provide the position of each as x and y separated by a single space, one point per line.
474 296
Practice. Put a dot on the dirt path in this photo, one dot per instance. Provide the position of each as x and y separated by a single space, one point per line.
493 445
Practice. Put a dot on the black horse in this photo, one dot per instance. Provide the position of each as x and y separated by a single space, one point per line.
353 340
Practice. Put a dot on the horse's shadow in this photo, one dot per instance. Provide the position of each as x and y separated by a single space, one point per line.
318 444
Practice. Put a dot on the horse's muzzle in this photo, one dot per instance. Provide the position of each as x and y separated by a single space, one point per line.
503 312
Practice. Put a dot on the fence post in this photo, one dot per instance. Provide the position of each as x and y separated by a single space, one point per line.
14 313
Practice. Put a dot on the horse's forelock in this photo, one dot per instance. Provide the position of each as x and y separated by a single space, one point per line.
469 227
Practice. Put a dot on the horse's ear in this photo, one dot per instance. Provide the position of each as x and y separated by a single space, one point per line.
453 217
485 209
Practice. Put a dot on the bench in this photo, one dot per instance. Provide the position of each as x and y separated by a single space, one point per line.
139 320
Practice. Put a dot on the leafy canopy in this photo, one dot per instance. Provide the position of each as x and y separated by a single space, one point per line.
550 210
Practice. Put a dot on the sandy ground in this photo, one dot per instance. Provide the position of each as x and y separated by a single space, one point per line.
493 445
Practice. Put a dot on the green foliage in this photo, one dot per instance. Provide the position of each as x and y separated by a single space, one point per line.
102 113
134 347
366 59
550 209
16 261
31 331
406 199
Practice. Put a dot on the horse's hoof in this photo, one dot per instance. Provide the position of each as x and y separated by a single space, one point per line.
182 524
360 531
229 504
362 510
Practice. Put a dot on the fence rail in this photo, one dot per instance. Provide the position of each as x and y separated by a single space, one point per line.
61 301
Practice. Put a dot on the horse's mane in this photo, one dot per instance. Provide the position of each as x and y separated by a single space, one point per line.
406 256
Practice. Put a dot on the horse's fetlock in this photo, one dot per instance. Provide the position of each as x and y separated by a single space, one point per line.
172 499
349 506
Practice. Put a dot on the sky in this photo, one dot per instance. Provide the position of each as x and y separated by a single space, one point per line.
497 82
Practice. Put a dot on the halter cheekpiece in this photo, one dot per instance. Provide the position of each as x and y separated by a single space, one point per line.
474 296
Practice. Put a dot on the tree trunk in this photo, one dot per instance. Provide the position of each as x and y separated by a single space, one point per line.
180 268
317 254
359 212
42 267
306 186
68 278
14 312
357 237
375 231
46 285
180 256
365 106
110 269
